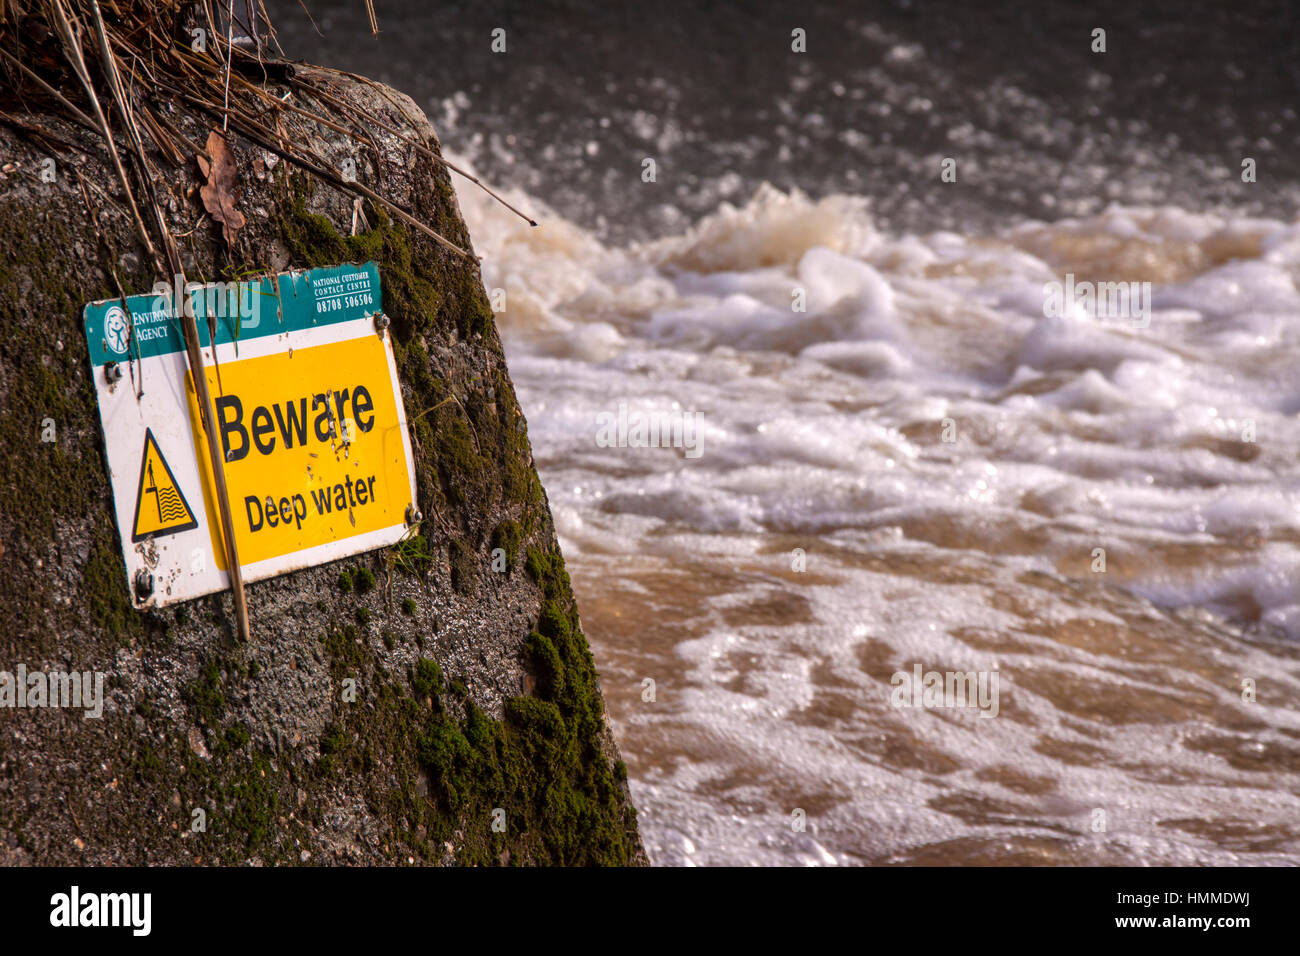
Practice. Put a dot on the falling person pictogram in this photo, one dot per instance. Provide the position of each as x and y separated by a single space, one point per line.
160 505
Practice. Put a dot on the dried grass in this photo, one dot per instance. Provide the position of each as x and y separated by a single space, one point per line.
74 56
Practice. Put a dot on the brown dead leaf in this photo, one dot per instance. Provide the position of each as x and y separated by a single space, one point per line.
220 193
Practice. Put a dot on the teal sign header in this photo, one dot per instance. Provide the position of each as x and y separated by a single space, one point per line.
235 311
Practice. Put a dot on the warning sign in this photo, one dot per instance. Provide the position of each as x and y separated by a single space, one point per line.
308 414
316 449
160 507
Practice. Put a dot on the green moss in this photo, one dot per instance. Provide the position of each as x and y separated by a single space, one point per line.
363 580
335 740
345 581
443 749
553 621
408 606
147 763
547 570
543 764
346 654
204 697
540 716
110 604
547 665
464 574
253 801
465 475
240 791
363 616
428 678
508 536
237 735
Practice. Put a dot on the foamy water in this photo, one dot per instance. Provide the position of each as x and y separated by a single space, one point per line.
1174 448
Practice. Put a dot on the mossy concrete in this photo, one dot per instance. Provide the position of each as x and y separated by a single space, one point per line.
410 705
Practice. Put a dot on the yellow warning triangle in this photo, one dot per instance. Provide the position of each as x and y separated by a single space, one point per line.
160 506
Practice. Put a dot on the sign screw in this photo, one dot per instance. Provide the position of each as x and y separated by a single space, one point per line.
143 583
113 373
381 323
413 516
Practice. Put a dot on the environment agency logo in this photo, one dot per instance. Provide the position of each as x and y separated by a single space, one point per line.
115 329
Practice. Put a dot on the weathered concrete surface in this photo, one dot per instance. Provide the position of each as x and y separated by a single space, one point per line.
258 736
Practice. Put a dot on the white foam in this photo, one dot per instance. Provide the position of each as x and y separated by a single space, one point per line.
825 429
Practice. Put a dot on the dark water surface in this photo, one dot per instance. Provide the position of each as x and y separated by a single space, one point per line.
1040 126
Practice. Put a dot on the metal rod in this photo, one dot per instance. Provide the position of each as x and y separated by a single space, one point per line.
195 354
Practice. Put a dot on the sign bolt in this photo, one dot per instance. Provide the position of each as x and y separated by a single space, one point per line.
143 583
413 516
113 373
381 323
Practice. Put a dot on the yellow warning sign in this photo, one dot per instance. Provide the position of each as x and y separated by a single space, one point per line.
160 505
307 417
317 458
